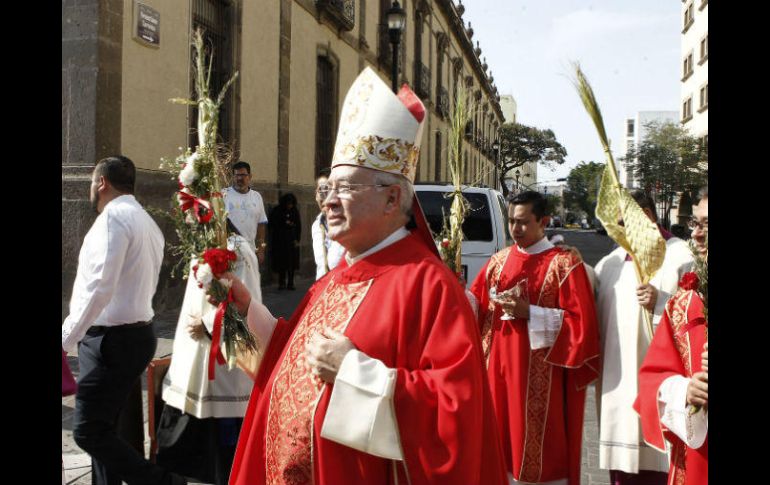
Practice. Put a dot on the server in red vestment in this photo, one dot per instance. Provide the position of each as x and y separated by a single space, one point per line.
674 374
378 376
541 344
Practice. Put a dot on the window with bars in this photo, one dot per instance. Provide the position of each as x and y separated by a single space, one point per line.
326 111
213 17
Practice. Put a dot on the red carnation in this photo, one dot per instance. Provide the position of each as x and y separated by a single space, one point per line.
219 260
689 281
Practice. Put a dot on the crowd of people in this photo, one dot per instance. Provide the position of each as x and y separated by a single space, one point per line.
388 371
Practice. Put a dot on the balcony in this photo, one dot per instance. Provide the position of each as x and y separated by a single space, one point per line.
342 12
443 102
422 80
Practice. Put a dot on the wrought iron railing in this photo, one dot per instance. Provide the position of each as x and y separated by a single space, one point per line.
341 11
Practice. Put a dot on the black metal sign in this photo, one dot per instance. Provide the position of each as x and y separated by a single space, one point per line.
147 23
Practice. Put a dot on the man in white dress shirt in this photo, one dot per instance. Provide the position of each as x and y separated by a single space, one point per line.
110 317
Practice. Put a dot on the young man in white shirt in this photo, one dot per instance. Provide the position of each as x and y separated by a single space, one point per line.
110 317
246 209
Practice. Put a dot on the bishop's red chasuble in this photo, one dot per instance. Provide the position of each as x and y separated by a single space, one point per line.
539 395
400 305
675 350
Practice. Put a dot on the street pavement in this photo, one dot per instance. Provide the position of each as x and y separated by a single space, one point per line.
77 464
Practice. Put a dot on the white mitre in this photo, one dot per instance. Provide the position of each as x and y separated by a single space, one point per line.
378 129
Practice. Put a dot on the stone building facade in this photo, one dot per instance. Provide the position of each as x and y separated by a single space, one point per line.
296 60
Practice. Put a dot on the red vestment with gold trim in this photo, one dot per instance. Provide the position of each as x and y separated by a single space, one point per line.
675 350
400 305
539 395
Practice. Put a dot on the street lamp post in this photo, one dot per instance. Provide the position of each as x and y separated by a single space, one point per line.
396 22
496 149
518 174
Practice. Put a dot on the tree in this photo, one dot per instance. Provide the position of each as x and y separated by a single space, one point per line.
552 204
582 188
520 144
668 162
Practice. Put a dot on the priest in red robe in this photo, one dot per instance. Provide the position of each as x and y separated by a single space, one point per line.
378 377
541 346
674 375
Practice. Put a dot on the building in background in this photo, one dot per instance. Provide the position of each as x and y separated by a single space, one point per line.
528 172
695 68
634 132
123 59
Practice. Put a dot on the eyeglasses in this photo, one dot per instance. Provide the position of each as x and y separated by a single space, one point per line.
343 189
693 223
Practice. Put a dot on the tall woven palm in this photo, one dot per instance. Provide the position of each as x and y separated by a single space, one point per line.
638 235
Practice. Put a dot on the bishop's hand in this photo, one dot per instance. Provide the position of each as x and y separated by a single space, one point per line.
704 358
325 353
647 296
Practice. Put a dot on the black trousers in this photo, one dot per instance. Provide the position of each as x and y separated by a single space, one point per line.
111 360
282 278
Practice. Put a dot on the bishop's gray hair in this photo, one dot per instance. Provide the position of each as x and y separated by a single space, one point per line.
407 190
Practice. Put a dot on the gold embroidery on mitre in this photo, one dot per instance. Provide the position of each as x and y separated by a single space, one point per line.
392 155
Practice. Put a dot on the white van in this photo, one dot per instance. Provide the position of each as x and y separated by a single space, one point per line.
485 226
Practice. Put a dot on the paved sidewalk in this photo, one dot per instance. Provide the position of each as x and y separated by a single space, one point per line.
77 464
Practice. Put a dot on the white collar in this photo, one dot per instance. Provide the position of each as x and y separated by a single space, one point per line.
540 246
396 236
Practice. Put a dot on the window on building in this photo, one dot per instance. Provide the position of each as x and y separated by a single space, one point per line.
629 127
687 109
439 72
704 48
687 66
688 17
437 160
704 97
326 111
213 17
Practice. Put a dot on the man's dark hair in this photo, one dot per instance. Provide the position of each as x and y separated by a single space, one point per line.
119 171
538 201
645 201
703 193
242 164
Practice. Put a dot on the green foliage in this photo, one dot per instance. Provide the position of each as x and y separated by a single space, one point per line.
552 204
582 189
667 162
520 144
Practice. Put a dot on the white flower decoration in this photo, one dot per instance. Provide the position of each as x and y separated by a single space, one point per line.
204 275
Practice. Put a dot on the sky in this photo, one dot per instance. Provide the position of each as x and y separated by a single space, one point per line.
628 50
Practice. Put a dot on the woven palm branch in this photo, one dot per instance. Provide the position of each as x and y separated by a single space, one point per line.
638 235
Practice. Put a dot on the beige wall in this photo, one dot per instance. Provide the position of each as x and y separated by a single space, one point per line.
259 89
151 127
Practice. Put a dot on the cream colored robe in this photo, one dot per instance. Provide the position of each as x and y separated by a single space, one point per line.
624 344
186 385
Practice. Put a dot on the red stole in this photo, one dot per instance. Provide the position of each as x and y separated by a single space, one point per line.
401 306
539 395
675 350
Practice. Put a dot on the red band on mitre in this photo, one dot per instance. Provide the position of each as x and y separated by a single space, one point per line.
412 103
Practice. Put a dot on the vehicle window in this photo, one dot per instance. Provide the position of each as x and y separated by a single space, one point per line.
477 225
504 212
